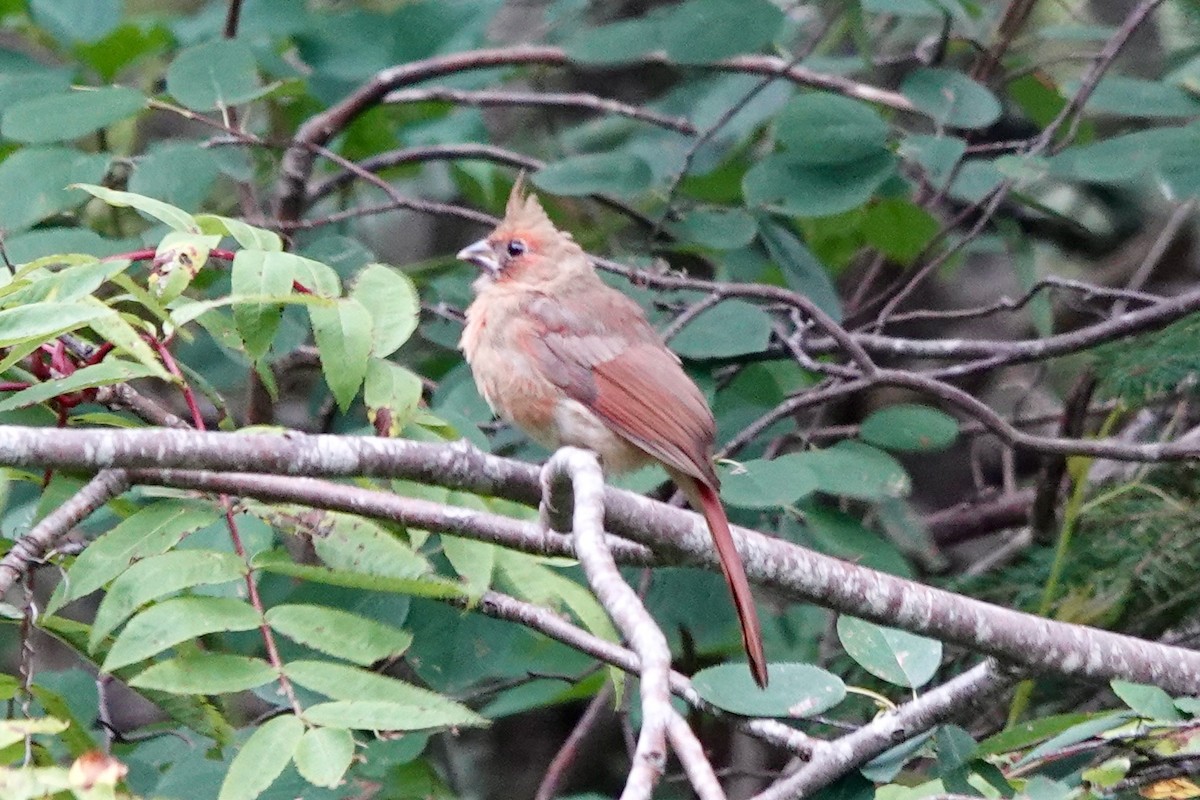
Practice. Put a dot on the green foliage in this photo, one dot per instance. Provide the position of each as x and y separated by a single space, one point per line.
1151 365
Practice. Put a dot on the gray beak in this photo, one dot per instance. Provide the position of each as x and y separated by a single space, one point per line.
481 255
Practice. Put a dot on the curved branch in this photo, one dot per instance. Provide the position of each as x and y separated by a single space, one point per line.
1024 639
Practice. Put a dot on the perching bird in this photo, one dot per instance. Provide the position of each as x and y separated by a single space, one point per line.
575 362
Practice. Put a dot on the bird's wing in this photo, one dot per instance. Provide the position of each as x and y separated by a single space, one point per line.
607 357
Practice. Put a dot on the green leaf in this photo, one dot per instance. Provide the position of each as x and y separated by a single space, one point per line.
802 270
899 229
780 183
63 117
73 21
730 328
1076 734
247 236
616 43
818 128
158 576
163 212
1150 702
937 155
853 469
205 673
339 633
472 560
361 545
1024 734
14 730
343 333
1148 365
707 30
391 298
181 173
43 174
150 531
896 656
391 393
1137 97
342 682
18 87
117 331
106 373
909 428
951 98
425 586
262 758
215 75
608 173
716 228
260 273
174 621
955 748
796 691
324 755
921 9
768 484
381 715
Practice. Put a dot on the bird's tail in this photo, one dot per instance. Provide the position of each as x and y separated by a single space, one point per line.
704 498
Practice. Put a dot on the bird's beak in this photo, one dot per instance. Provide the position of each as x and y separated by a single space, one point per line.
481 255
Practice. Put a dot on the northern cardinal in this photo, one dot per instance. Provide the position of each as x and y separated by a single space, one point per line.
574 362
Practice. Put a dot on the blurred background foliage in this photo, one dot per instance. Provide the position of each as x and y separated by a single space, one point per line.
919 158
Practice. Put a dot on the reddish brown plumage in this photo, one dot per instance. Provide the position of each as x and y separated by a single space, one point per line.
573 361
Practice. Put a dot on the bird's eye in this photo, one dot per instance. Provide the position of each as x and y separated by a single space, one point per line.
515 248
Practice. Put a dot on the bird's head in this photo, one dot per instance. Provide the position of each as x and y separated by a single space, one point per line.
525 248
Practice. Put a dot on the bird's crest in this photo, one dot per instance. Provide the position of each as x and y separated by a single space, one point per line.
524 213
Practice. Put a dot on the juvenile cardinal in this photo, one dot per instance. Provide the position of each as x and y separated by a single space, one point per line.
574 362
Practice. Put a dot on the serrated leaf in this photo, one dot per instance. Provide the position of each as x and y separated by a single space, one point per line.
796 690
896 656
262 758
174 621
62 117
150 531
909 428
743 328
339 633
117 331
260 273
760 483
323 756
158 576
426 586
205 673
362 545
106 373
391 298
381 715
343 333
166 213
391 394
215 75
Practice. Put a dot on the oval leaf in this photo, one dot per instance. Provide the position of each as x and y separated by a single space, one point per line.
854 469
768 484
796 690
806 190
728 329
262 758
606 173
343 333
898 657
716 228
62 117
391 298
909 428
951 98
822 128
1150 702
43 174
707 30
205 673
323 756
217 74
